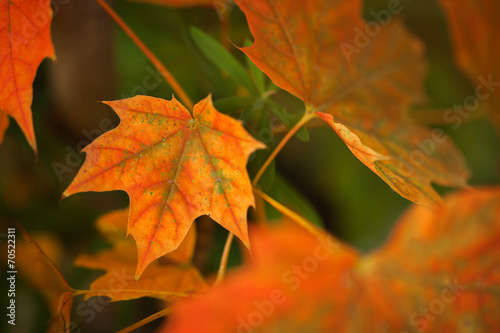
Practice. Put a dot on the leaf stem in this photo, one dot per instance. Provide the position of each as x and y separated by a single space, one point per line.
225 30
49 261
305 118
303 222
107 292
147 320
260 210
147 52
223 261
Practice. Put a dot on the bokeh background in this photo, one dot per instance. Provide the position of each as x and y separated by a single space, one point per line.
319 178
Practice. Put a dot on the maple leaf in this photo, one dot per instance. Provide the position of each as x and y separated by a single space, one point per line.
438 272
172 275
474 32
360 84
24 43
174 167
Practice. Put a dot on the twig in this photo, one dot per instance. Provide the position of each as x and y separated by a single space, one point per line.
162 69
305 118
147 320
223 261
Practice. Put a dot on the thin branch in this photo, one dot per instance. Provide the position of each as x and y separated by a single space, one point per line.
49 261
147 52
306 224
147 320
223 261
107 292
305 118
260 210
225 29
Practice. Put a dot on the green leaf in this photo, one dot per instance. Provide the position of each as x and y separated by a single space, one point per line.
268 176
259 78
221 86
233 103
221 58
267 179
302 134
284 116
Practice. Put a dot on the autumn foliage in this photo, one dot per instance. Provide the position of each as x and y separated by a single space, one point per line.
324 285
185 163
175 167
25 42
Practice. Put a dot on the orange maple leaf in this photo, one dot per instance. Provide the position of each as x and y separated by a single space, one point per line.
360 84
438 272
474 32
24 42
174 167
166 278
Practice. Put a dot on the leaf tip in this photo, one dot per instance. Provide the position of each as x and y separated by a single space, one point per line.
246 241
33 145
63 196
138 273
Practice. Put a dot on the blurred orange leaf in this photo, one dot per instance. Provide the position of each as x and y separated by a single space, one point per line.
360 78
474 25
35 270
427 277
174 168
62 320
24 42
171 275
